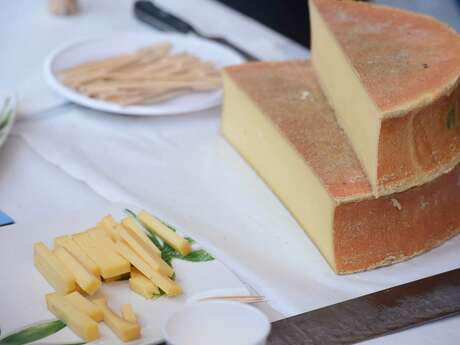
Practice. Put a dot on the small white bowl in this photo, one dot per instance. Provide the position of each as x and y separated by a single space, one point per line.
217 322
7 113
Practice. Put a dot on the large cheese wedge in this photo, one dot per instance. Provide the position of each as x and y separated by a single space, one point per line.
101 251
124 329
85 279
393 79
278 119
52 269
79 322
74 249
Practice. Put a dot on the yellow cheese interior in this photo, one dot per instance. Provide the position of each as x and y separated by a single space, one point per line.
142 285
102 252
85 279
80 323
356 112
170 237
85 306
280 165
125 330
52 269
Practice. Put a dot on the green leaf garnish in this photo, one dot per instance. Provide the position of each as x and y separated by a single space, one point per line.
33 333
200 255
451 119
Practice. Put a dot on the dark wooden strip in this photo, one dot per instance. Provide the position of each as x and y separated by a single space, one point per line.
373 315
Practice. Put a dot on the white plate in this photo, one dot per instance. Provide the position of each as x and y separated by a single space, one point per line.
7 113
81 51
23 289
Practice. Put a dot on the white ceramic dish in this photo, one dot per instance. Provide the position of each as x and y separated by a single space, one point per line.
217 322
7 113
81 51
23 289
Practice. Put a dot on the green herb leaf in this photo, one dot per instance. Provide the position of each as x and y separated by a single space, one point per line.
131 213
33 333
155 240
6 119
200 255
190 240
451 119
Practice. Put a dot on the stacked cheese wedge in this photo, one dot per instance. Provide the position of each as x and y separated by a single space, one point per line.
362 144
108 252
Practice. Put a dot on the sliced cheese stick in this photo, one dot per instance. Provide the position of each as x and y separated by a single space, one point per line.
170 287
170 237
85 279
80 323
74 249
145 252
127 313
142 285
103 253
52 269
85 306
108 224
124 329
130 224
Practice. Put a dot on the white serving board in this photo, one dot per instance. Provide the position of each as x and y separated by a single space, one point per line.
23 289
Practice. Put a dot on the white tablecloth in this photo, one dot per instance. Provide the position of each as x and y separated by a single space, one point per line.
179 167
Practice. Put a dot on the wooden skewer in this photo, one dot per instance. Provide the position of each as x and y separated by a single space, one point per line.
242 299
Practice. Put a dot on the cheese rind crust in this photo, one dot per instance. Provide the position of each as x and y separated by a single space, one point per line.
364 232
408 65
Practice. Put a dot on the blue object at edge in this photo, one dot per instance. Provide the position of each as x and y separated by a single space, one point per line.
5 219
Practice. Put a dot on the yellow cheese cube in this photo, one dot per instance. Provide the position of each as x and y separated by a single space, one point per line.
85 306
102 253
166 234
85 279
80 323
142 285
145 252
52 269
170 287
73 248
108 225
125 330
127 313
130 224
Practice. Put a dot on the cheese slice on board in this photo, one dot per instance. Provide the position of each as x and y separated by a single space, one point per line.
74 249
85 305
277 117
393 79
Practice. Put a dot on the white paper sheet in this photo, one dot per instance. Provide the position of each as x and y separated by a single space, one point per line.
182 169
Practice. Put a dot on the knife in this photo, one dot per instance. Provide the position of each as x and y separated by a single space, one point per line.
373 315
155 16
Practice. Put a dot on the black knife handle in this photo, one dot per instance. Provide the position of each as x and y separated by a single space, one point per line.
162 20
153 15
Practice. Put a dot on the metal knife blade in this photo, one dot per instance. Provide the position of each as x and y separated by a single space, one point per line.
373 315
160 19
